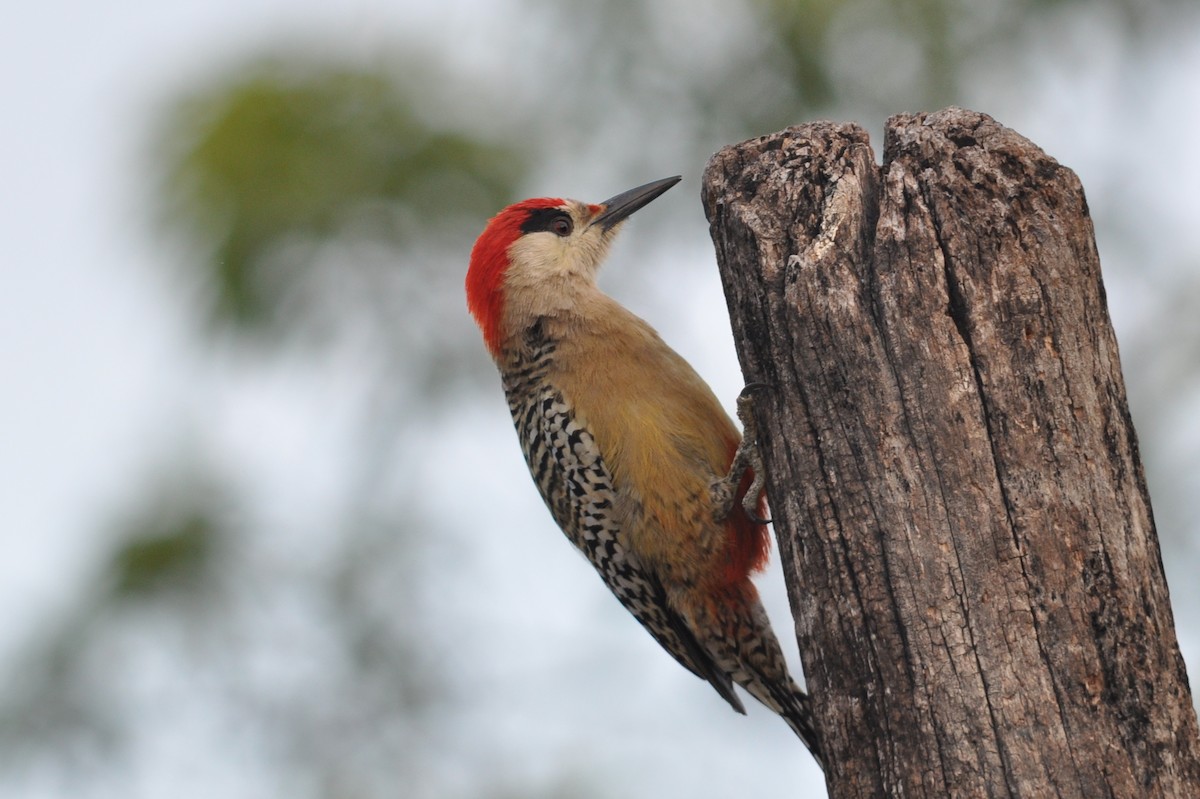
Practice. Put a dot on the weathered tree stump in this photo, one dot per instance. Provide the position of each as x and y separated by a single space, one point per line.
954 477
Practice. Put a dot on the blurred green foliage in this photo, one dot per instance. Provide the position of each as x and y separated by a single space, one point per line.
800 28
292 153
164 559
167 555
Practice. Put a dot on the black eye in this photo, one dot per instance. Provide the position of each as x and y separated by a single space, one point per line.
553 220
561 226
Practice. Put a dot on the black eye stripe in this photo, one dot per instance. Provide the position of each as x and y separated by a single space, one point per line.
540 219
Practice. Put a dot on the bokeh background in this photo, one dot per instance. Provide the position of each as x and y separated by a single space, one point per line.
266 528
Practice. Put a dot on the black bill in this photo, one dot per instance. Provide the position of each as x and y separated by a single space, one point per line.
618 208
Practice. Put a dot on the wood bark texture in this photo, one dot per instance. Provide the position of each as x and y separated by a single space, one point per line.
954 477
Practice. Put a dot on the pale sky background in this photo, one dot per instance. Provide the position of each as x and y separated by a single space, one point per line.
104 375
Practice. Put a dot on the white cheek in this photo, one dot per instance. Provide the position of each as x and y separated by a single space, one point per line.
549 272
537 258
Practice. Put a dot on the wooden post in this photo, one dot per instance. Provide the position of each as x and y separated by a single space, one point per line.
955 481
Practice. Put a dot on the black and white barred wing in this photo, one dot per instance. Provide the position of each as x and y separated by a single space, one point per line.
578 488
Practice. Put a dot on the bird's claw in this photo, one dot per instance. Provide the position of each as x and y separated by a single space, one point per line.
747 456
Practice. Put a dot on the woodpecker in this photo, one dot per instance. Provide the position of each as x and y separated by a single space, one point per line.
628 446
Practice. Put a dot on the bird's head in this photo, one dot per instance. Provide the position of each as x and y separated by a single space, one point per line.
534 258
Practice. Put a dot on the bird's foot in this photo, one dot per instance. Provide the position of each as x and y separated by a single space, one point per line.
725 489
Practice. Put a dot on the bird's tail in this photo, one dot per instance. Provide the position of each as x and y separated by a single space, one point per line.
746 648
796 710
